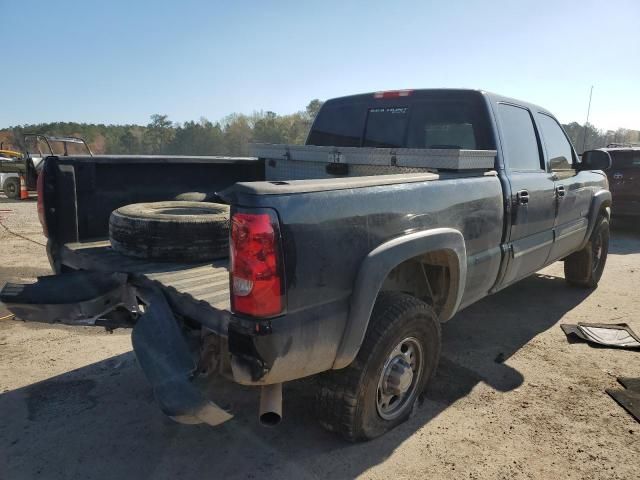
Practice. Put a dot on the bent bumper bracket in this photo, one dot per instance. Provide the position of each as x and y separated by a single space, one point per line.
163 354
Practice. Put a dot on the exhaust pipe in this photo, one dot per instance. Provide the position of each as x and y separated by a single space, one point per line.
271 405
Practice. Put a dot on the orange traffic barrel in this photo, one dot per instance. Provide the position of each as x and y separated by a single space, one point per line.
24 193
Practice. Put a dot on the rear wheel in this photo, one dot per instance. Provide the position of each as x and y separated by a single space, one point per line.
378 390
584 267
11 187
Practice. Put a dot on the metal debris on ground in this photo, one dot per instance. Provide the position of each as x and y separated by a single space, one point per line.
628 397
618 335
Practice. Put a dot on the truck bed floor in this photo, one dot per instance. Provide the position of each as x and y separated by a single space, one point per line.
199 291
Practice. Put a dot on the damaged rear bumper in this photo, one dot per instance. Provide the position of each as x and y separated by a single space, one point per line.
159 342
75 298
165 358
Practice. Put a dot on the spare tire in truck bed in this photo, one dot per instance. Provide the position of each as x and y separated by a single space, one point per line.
172 231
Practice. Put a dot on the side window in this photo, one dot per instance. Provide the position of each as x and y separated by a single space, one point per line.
623 160
558 147
519 138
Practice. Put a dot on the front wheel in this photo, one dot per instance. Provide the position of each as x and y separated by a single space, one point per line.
377 391
584 267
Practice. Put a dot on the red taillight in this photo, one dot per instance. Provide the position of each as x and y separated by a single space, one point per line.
256 278
392 94
41 206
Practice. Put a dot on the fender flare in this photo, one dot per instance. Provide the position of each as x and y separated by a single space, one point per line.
601 199
377 265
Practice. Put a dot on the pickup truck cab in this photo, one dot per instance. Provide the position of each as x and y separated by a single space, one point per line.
342 271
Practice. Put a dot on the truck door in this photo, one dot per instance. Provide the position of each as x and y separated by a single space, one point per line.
572 197
532 198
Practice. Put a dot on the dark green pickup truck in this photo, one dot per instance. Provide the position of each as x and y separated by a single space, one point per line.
345 254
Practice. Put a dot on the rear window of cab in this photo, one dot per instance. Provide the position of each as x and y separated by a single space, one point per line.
449 122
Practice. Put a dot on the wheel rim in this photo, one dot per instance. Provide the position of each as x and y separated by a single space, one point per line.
597 249
12 188
399 378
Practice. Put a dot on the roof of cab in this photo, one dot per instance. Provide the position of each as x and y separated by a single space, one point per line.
491 97
621 149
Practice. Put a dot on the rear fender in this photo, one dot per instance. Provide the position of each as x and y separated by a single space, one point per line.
601 202
377 265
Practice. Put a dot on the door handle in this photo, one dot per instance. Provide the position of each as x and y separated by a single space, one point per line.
523 197
560 191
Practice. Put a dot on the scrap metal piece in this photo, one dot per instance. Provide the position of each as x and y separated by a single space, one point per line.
618 335
630 383
73 298
165 358
629 397
612 335
572 332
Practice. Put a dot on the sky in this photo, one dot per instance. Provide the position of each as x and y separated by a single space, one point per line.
121 61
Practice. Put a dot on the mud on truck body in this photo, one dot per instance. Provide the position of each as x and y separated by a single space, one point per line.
346 255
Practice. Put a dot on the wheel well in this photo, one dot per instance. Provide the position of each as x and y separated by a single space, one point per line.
430 277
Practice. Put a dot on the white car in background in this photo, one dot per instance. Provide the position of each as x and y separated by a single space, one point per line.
10 184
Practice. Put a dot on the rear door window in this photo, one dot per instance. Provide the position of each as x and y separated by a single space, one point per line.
519 140
558 147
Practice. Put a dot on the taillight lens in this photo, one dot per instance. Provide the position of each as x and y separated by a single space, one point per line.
256 270
41 206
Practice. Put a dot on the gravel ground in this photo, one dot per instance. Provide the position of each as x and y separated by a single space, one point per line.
512 399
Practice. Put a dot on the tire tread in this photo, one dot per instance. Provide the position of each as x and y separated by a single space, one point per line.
337 391
578 269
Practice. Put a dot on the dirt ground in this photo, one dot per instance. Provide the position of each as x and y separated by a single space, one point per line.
512 399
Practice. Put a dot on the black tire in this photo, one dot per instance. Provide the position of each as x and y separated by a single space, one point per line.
584 267
172 231
347 400
11 188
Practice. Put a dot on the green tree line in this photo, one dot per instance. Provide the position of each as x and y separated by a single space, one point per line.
588 137
232 135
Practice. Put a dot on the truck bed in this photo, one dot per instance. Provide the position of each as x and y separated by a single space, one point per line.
197 291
